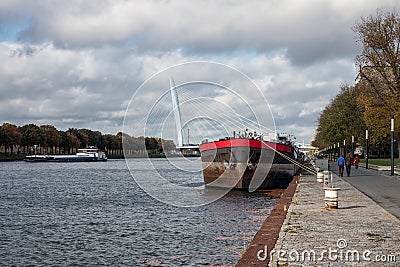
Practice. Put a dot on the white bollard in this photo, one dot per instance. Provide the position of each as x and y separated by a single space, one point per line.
320 177
327 180
331 198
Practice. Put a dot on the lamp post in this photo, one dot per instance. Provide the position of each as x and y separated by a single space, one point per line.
366 148
338 146
344 146
334 151
35 146
352 146
392 145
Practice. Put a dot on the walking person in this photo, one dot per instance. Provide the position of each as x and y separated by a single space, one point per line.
356 161
349 161
340 163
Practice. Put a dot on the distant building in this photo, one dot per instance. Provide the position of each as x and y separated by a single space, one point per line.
307 149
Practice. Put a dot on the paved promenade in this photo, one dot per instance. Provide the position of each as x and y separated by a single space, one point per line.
359 233
380 186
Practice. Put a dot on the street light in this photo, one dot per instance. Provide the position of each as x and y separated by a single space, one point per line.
334 151
344 146
352 146
392 145
366 148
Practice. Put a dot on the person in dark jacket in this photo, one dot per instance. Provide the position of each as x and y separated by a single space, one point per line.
349 161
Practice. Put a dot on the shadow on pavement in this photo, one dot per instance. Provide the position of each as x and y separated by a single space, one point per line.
351 207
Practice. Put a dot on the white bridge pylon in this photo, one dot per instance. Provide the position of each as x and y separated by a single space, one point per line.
177 115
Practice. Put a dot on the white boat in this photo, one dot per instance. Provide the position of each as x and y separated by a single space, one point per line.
83 155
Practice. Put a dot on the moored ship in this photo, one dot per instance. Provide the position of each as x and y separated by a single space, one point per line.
83 155
249 161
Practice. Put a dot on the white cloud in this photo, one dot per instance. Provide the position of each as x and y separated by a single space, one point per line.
77 63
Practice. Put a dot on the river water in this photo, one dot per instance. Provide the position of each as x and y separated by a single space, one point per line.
72 214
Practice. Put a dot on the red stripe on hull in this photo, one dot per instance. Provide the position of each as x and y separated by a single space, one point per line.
245 143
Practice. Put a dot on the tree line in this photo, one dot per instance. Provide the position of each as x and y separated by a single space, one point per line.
49 140
375 96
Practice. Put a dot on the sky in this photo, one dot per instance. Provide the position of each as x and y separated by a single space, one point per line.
79 63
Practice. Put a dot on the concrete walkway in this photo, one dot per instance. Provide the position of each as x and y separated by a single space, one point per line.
379 186
359 233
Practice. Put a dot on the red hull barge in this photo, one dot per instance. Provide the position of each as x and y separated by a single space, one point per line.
243 163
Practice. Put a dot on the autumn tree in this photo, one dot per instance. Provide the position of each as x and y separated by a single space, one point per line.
81 135
138 145
66 143
341 119
75 142
51 136
168 145
48 137
132 145
31 135
152 145
379 73
92 138
12 136
119 137
3 137
111 143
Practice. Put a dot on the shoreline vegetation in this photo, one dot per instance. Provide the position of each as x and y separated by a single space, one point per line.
18 141
20 157
368 109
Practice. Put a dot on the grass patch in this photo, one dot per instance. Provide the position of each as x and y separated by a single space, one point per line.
381 162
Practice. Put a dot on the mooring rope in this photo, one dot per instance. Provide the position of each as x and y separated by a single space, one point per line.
295 162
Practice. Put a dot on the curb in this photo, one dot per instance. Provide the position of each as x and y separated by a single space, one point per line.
268 234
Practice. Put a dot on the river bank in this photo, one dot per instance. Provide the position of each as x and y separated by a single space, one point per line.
11 157
360 232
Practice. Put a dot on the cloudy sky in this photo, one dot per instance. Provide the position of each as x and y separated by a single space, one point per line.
78 63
